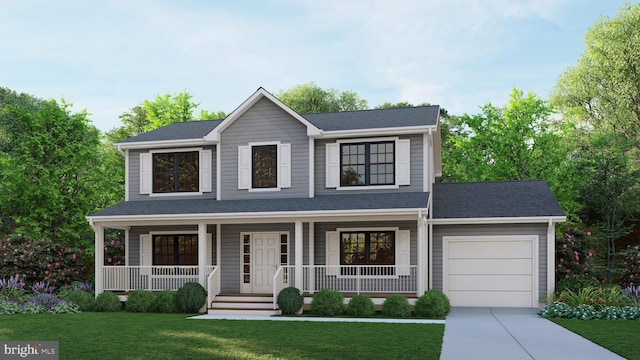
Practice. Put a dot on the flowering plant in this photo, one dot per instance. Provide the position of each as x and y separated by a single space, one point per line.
630 272
574 254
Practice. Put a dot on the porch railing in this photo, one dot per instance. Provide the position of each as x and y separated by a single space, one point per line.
213 285
153 278
280 281
350 278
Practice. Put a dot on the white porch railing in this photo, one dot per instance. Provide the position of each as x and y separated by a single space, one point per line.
350 278
280 281
213 285
153 278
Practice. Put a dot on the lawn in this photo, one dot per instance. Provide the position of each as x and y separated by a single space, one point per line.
619 336
173 336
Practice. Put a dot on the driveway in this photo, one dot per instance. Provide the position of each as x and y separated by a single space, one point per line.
513 333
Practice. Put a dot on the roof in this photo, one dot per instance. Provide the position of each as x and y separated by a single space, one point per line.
403 200
177 131
530 198
375 119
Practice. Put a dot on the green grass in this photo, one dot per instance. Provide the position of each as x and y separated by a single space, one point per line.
619 336
173 336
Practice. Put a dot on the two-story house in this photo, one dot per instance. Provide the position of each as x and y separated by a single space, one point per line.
269 198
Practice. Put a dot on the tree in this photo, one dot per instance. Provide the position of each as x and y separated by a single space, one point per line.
603 88
54 175
515 142
168 109
608 189
211 115
309 98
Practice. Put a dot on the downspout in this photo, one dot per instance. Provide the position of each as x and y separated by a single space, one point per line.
551 260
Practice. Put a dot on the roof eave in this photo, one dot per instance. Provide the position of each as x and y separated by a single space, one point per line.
162 144
499 220
404 130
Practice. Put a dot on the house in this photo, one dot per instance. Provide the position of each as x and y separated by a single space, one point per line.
269 198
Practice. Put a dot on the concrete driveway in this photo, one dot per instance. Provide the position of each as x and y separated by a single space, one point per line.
513 333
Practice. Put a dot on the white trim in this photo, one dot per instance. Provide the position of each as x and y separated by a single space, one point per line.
312 260
170 151
535 239
425 163
218 171
126 175
367 140
298 255
127 250
499 220
551 258
405 130
174 232
312 165
146 145
365 187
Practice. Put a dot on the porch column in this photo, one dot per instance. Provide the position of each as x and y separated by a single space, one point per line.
298 256
551 258
421 257
126 247
202 254
312 255
99 258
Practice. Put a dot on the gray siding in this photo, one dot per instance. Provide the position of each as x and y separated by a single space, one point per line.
416 168
467 230
133 182
134 239
265 122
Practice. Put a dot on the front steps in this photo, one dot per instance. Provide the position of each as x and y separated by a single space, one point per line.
243 304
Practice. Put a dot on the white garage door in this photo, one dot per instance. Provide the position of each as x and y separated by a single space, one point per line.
499 271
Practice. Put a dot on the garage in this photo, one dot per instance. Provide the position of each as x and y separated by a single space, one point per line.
494 271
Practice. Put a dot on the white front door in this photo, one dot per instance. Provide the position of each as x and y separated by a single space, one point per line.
264 261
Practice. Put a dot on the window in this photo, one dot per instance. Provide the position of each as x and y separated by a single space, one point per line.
367 164
367 248
175 250
265 166
176 172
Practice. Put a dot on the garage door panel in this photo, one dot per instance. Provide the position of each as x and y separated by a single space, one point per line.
490 249
490 282
490 266
491 299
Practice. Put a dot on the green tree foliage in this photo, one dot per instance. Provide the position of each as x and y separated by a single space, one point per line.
167 109
51 170
603 88
515 142
309 98
211 115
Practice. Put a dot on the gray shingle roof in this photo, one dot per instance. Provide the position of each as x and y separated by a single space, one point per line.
403 200
177 131
494 199
375 119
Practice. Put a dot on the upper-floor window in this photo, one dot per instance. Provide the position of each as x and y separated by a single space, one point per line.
175 172
367 164
264 166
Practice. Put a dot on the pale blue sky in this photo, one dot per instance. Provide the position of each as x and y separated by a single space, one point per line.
108 56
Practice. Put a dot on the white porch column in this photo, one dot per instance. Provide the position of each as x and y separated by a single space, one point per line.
298 256
421 258
99 258
218 245
312 261
551 257
126 247
202 254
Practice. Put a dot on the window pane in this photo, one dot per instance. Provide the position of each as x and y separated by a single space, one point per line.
176 172
367 248
265 164
175 250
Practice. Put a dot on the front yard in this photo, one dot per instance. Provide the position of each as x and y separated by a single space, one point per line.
619 336
173 336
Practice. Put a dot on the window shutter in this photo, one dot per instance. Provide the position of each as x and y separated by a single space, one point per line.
403 162
332 158
403 252
146 253
333 252
146 174
284 166
205 170
244 167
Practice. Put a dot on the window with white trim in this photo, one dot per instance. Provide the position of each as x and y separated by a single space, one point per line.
368 163
179 171
264 166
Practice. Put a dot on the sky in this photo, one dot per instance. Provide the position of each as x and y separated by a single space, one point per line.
109 56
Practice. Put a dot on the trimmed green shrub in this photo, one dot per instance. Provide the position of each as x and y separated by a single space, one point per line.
327 302
432 304
83 299
576 283
107 302
165 302
139 301
290 300
396 306
361 305
191 297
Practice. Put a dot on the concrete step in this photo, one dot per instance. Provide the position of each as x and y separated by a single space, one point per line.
242 304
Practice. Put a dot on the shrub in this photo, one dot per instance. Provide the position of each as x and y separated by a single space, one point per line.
64 307
361 305
139 301
42 287
597 297
191 297
327 302
576 283
556 310
290 300
45 301
432 304
113 250
41 260
630 272
165 302
574 254
13 289
83 299
107 302
9 307
396 306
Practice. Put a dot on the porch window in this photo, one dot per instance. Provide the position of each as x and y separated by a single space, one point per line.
176 172
175 250
367 248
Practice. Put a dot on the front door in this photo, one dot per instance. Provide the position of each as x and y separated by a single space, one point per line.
264 261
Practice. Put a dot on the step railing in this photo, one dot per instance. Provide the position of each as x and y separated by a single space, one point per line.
213 285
